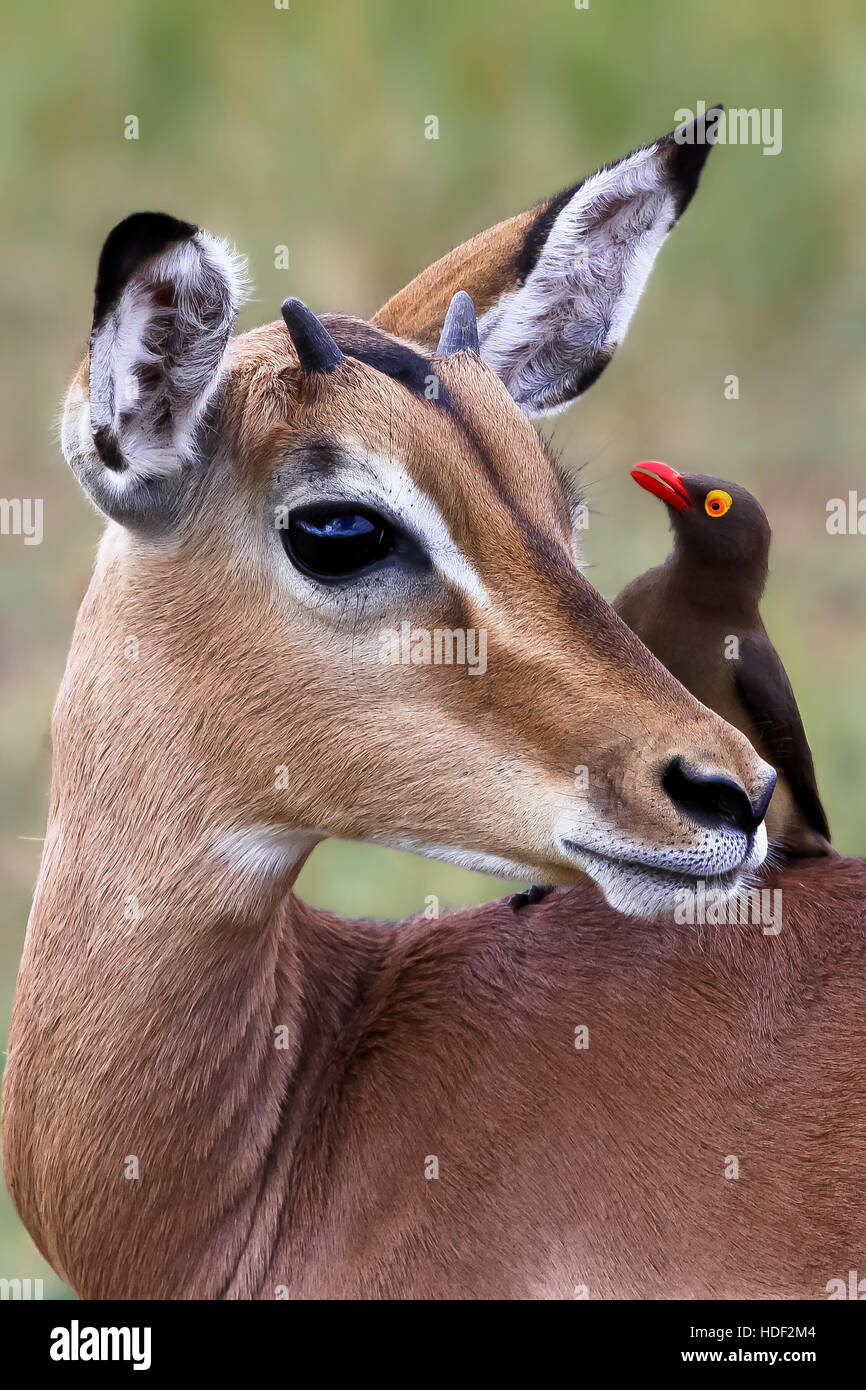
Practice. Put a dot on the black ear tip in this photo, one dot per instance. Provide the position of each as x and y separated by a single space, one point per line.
154 226
127 246
688 150
696 123
316 349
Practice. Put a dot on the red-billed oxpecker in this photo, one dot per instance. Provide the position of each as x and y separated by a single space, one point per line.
698 612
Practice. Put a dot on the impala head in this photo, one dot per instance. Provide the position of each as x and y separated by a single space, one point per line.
349 566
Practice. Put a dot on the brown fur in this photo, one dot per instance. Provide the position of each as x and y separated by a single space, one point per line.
486 266
303 1170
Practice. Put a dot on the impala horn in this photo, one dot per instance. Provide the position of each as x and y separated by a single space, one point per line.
460 329
316 349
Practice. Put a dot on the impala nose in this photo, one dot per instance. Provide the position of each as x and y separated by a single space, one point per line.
715 799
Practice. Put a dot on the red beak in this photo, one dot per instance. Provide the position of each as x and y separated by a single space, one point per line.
664 482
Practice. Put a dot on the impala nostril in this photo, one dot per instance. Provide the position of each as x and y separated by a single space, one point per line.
713 799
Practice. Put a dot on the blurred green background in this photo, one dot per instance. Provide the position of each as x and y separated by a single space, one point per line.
304 127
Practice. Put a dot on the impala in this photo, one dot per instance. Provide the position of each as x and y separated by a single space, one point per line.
214 1090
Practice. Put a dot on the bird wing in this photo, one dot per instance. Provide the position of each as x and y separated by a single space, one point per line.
766 692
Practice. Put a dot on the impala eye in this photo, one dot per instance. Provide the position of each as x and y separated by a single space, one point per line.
717 502
330 543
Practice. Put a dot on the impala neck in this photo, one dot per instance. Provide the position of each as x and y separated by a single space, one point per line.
169 1002
170 1056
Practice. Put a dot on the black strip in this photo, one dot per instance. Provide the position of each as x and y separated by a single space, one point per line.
539 230
108 449
370 345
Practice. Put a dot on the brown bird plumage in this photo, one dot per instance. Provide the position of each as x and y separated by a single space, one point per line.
698 612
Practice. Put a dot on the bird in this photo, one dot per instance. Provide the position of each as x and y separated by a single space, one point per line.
698 612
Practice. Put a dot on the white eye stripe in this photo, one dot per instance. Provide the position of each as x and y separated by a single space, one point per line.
379 482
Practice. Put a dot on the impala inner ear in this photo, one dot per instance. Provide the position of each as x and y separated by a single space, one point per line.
587 260
167 294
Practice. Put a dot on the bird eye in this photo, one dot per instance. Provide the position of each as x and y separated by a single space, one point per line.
330 543
718 502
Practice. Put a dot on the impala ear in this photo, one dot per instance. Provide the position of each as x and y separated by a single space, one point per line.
555 288
167 295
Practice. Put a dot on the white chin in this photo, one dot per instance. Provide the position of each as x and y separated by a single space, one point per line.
639 890
651 893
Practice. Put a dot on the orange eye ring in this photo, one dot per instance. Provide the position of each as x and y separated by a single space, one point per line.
717 502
